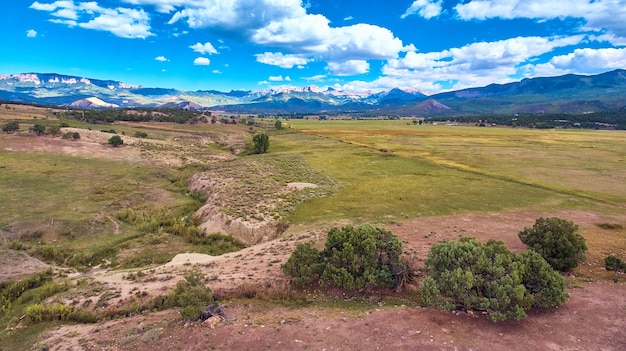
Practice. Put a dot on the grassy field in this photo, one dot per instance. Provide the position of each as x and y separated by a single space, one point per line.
391 168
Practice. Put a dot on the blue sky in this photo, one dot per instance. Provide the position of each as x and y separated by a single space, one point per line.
356 45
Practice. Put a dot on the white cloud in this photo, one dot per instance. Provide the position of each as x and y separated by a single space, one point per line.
206 48
31 33
161 59
311 35
275 78
231 15
475 64
281 60
425 8
284 25
122 22
349 18
201 61
598 14
316 78
609 38
217 71
588 60
69 23
348 68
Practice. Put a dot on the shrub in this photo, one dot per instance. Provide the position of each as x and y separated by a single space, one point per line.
612 263
12 126
261 143
38 129
49 313
71 136
116 140
611 226
11 291
489 277
141 135
191 295
557 241
353 258
54 130
304 265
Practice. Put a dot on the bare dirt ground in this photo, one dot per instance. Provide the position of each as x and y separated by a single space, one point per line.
584 323
592 319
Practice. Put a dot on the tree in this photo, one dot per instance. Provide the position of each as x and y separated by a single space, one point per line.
557 241
116 140
353 258
261 143
278 124
489 277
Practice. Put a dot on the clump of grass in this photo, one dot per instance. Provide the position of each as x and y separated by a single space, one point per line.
611 226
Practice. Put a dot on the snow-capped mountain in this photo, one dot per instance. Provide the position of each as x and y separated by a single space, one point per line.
565 94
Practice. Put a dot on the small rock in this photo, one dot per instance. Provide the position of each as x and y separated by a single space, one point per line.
213 322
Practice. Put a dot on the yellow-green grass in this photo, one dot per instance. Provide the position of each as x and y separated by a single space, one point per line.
581 163
389 168
46 187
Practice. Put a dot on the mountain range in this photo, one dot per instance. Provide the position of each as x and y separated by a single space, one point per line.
564 94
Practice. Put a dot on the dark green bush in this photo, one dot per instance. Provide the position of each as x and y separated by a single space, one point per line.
353 258
12 126
304 266
38 129
261 143
116 141
612 263
489 277
557 241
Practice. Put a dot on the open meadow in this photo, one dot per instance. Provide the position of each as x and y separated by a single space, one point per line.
119 226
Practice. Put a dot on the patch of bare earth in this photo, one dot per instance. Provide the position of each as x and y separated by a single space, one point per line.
583 323
18 265
592 319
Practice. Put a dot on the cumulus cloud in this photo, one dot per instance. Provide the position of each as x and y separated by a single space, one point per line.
582 60
206 48
348 68
122 22
286 25
281 60
31 33
474 64
598 14
425 8
161 59
201 61
312 35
